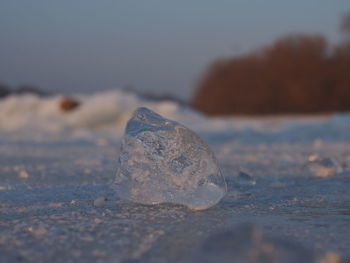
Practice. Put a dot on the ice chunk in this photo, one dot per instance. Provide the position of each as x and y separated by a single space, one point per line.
100 202
323 167
162 161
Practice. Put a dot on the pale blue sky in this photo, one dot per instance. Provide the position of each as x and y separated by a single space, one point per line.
153 45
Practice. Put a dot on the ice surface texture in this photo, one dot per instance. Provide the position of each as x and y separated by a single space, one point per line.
162 161
246 243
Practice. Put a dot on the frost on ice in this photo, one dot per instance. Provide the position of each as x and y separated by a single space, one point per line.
162 161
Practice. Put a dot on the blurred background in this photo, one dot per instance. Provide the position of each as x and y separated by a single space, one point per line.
220 57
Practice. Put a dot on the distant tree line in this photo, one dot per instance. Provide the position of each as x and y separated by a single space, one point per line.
296 74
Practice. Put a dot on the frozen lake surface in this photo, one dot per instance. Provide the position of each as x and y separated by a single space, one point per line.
288 195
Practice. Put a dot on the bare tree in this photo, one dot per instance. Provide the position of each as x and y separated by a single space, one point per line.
295 74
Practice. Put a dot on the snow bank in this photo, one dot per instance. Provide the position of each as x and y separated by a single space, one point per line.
105 113
101 112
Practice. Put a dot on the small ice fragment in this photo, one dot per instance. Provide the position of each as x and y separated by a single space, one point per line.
245 178
313 157
323 167
39 231
162 161
100 202
23 174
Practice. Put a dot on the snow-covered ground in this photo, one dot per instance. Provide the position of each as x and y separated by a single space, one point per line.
288 181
